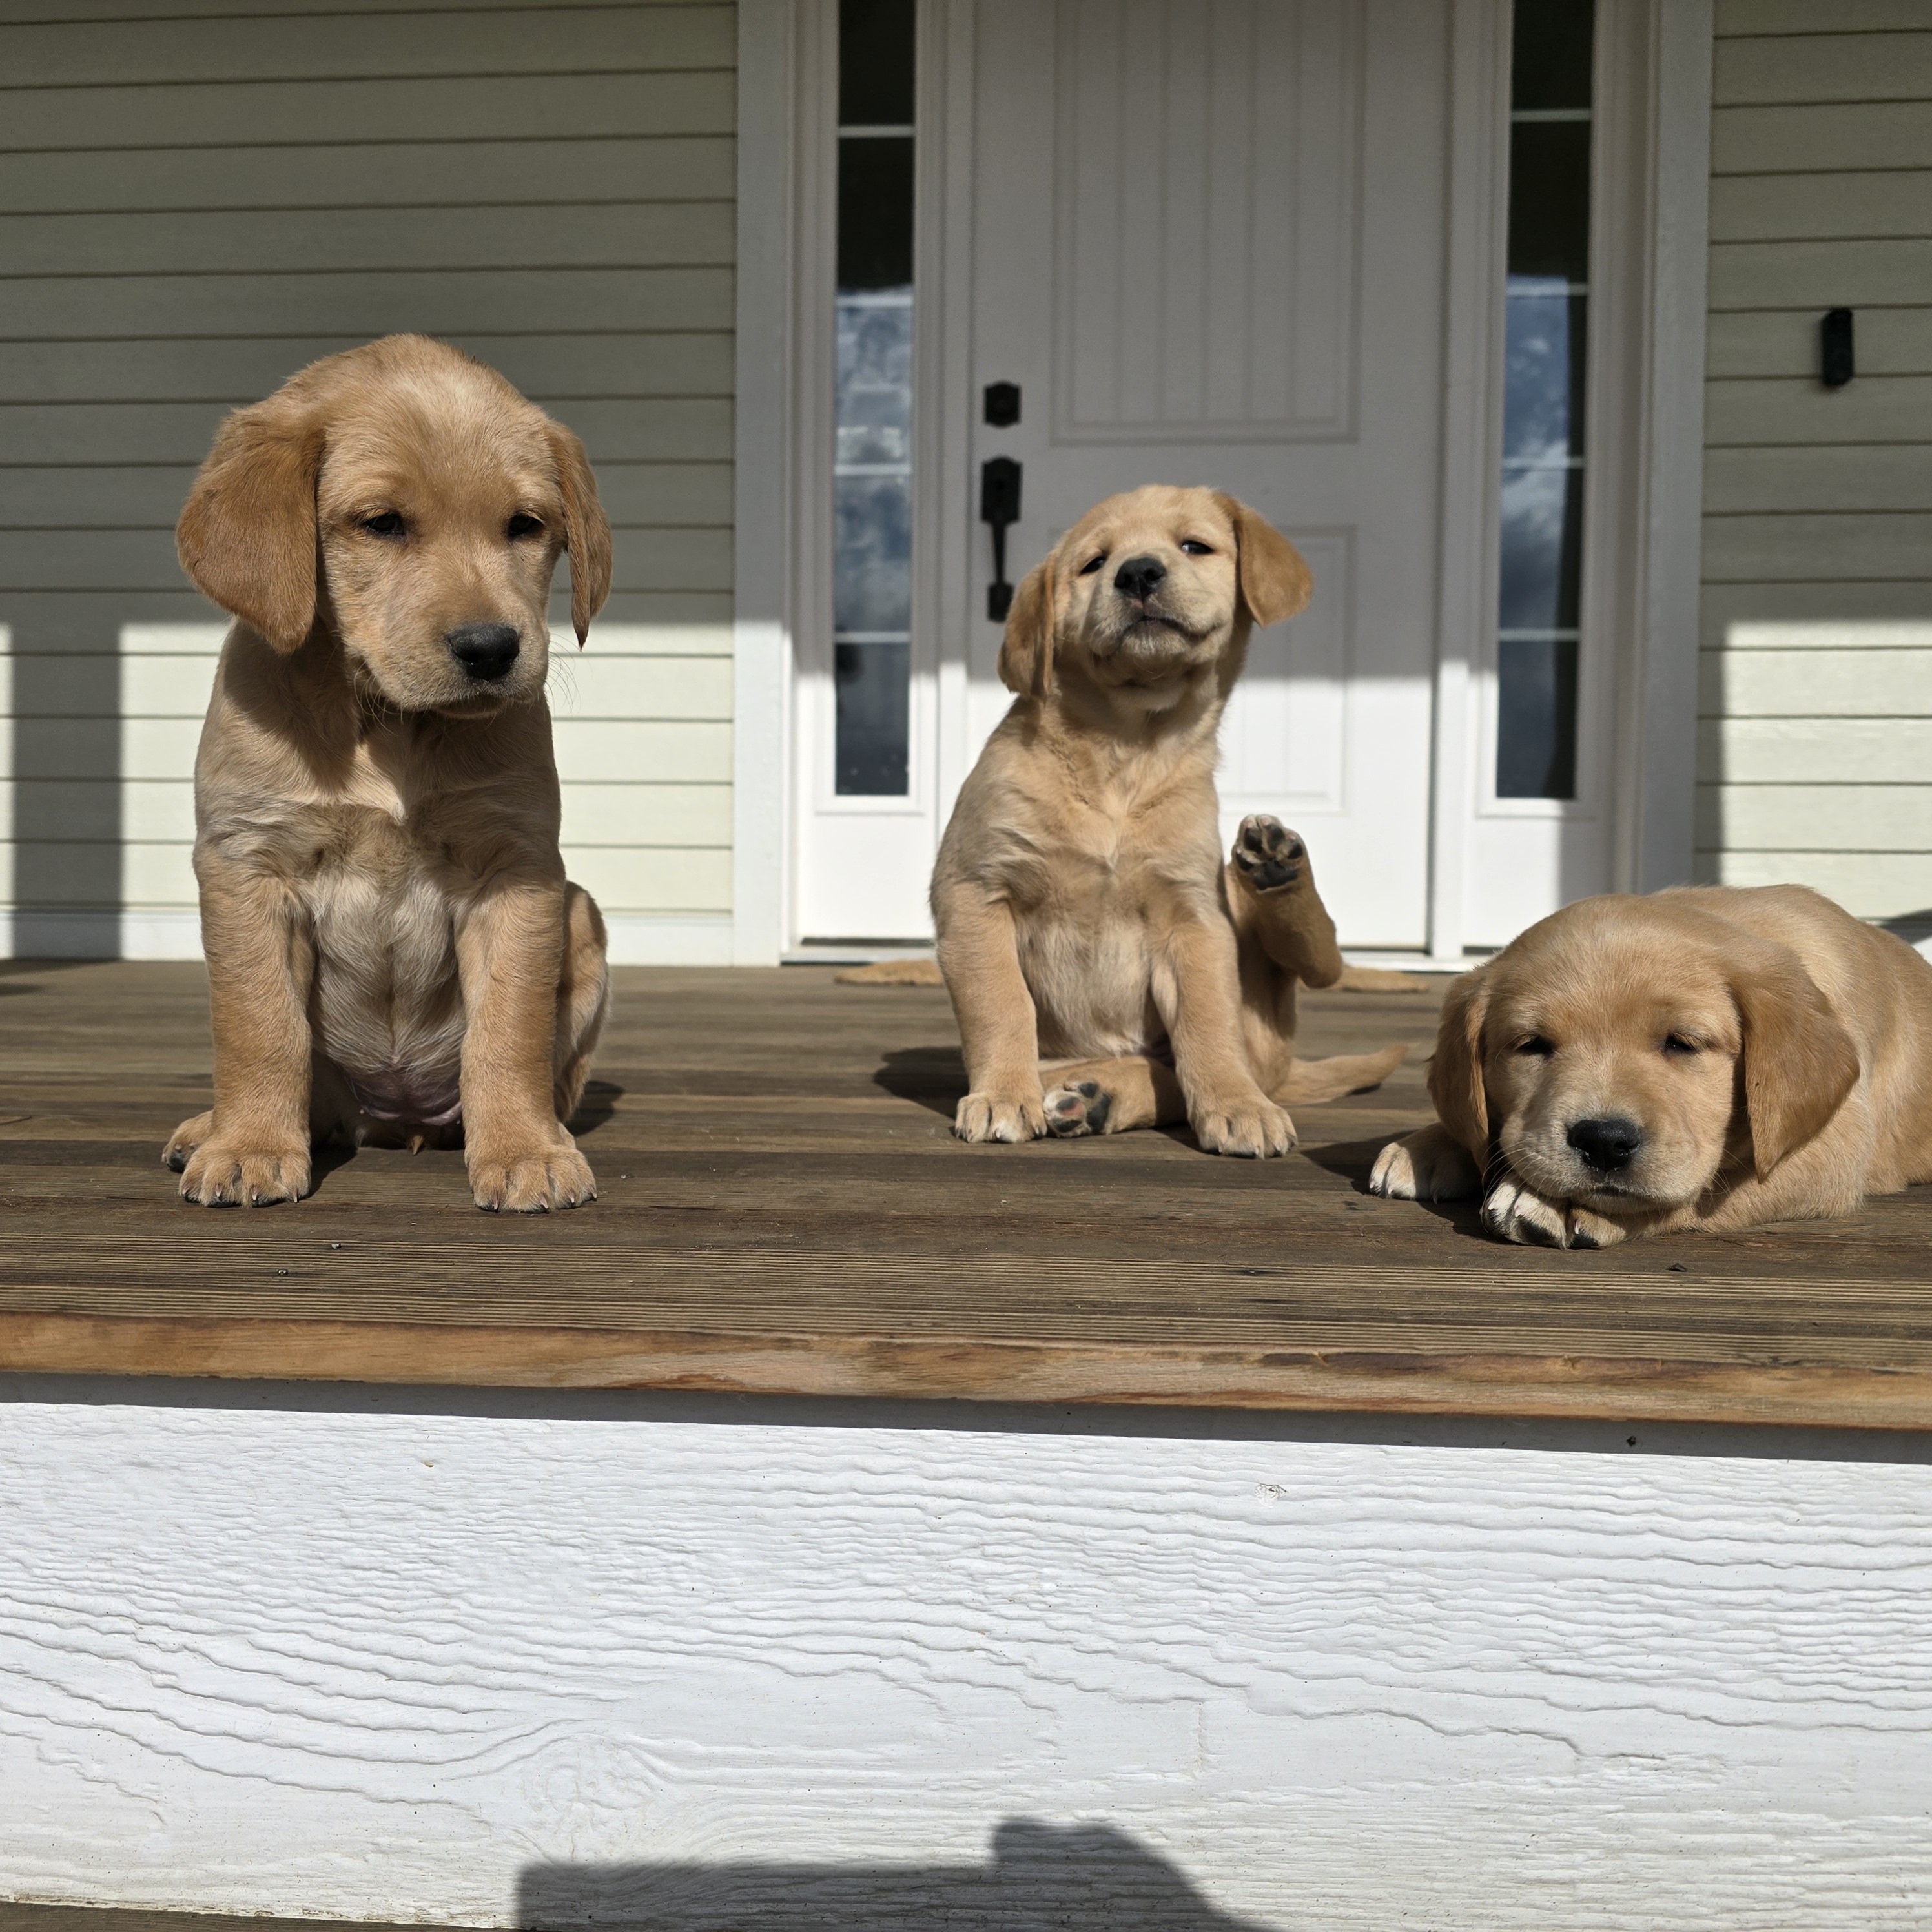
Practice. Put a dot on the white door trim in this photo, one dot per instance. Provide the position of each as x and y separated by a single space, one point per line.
762 545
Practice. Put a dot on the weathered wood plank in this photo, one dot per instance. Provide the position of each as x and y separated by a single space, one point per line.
783 1206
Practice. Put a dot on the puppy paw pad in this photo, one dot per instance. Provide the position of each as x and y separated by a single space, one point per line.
1081 1108
1270 855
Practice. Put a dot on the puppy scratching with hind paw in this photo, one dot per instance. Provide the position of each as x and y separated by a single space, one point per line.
1108 968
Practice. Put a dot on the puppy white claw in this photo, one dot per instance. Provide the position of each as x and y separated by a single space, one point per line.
1250 1130
1393 1174
1514 1213
1429 1165
1010 1118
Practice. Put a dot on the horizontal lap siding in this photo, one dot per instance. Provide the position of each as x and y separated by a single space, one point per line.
193 207
1815 757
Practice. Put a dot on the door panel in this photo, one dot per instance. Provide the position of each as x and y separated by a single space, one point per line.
1208 247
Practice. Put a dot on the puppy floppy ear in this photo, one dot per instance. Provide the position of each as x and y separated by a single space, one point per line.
1455 1068
246 535
586 530
1026 651
1798 1061
1275 581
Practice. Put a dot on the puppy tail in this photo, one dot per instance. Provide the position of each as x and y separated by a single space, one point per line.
1310 1081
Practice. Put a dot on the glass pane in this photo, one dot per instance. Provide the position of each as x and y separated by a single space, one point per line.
1549 199
1536 742
873 683
1542 548
875 186
875 381
872 564
1550 54
1543 376
875 63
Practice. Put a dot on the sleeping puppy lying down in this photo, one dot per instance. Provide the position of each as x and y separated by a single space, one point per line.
1707 1058
393 950
1087 924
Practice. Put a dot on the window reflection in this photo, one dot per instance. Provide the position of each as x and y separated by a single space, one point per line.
872 410
1545 357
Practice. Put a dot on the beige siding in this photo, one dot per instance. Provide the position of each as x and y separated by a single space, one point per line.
1815 756
193 204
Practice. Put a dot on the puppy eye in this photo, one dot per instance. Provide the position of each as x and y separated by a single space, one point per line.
389 523
1192 547
1676 1045
1093 564
1535 1046
522 525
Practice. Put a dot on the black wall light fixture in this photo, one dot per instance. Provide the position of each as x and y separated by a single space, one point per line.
1835 365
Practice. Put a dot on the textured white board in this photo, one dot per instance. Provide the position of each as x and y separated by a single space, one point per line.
672 1662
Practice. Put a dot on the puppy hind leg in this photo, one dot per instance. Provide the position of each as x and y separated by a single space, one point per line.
583 996
1272 894
1311 1081
1109 1096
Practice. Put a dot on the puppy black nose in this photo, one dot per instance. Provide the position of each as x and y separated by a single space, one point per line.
485 651
1140 576
1606 1145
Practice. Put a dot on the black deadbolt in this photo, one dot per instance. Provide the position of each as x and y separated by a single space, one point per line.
1835 365
1003 404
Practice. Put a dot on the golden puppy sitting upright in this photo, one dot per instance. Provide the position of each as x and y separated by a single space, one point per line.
1086 920
393 949
1708 1058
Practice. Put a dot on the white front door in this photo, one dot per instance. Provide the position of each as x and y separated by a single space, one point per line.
1208 249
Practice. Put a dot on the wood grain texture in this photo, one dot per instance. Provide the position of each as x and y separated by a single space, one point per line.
752 1676
782 1207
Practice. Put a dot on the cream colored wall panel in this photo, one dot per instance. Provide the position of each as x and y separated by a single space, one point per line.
1874 408
614 638
1871 885
1754 208
1815 818
1808 750
599 751
1891 342
457 173
642 429
1865 134
647 814
1819 274
1845 682
1877 477
1822 66
158 811
364 305
1830 616
1736 17
155 874
65 10
314 241
512 107
640 879
1863 547
640 687
400 44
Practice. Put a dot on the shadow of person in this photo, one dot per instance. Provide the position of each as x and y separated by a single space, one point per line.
1073 1878
933 1076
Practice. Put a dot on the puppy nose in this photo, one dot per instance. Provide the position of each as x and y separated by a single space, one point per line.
1606 1145
485 651
1140 576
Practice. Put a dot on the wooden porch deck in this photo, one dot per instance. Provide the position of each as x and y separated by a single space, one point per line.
783 1209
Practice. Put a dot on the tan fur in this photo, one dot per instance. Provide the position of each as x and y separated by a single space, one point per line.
390 936
1087 923
1773 1053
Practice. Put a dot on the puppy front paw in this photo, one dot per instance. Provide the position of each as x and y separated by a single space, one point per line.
1011 1116
1269 855
1249 1129
1429 1165
531 1182
1079 1109
1514 1213
220 1169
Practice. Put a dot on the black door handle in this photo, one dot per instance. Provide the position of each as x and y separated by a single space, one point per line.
999 508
